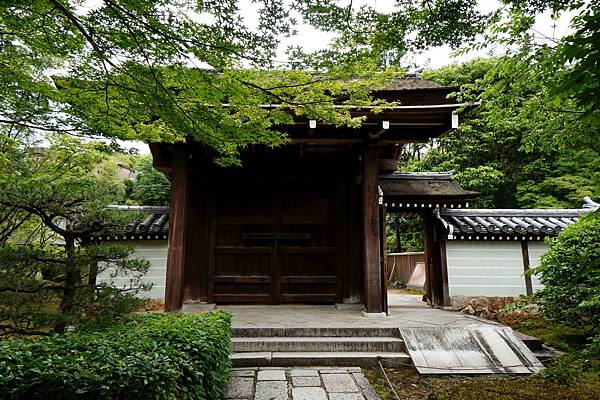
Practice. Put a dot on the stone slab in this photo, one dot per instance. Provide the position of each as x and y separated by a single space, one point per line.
339 383
304 372
245 372
271 390
306 381
468 350
240 387
346 396
325 383
308 393
271 375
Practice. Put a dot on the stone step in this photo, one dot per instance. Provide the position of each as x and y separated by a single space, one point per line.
326 358
316 332
534 344
313 344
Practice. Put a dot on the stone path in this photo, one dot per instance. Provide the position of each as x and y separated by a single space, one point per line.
314 316
322 383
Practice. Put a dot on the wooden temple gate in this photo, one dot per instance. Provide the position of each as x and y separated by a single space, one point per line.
304 223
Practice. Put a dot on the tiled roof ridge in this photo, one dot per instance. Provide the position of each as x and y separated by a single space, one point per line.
443 175
513 212
534 224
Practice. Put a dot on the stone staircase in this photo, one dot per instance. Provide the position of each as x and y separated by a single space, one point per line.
349 346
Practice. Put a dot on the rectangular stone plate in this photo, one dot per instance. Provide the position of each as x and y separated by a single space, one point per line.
468 350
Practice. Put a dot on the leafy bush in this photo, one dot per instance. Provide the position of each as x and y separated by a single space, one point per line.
152 356
570 272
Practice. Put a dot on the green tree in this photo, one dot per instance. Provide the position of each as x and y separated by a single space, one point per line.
513 147
151 187
49 265
167 70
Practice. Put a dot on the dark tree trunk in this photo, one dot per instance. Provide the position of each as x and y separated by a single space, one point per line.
398 240
72 284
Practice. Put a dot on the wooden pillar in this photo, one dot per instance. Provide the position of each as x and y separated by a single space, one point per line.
371 233
431 275
444 272
196 267
525 253
383 254
178 220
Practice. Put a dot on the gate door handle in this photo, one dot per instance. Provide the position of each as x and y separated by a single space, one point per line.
293 236
259 236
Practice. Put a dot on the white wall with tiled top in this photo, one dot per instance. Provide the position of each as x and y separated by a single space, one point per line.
536 249
155 251
486 268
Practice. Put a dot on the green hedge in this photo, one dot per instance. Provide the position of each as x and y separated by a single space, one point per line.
153 356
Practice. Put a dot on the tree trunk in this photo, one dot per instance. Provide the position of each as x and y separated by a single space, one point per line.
398 240
72 283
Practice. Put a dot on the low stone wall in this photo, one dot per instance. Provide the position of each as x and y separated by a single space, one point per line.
480 306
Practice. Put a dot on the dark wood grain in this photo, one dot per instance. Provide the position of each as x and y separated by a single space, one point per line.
178 223
371 231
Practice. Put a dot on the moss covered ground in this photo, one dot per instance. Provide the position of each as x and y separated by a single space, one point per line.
411 386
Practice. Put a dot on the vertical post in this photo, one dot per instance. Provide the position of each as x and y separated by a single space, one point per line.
431 275
525 253
383 253
178 220
444 269
371 253
196 272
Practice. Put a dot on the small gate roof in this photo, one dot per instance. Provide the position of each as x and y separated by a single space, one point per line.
416 190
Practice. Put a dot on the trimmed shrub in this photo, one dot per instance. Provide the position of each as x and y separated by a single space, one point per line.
152 356
570 272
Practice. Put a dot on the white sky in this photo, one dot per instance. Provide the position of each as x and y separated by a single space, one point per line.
312 39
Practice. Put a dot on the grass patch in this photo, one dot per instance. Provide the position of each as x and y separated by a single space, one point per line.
564 338
411 386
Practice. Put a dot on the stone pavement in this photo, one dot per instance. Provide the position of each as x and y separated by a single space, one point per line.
315 316
318 383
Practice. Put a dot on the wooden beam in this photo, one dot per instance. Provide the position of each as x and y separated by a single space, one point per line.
327 141
371 234
526 265
387 165
178 219
385 125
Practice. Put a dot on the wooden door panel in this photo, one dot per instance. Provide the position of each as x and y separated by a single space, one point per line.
309 267
276 244
242 260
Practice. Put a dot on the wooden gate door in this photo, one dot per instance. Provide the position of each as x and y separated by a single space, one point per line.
243 248
274 243
307 244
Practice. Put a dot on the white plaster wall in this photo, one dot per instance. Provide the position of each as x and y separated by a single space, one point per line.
536 249
485 268
154 251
